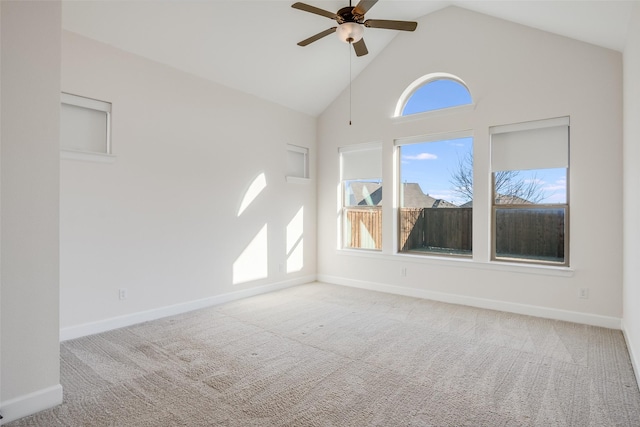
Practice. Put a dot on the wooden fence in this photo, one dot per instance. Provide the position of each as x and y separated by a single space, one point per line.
364 228
531 233
537 233
432 228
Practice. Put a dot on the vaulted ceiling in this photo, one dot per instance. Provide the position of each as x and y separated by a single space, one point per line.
250 45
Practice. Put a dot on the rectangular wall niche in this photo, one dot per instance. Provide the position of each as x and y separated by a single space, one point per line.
85 125
297 162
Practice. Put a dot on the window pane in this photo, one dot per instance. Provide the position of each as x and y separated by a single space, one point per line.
436 192
362 193
535 234
362 214
435 95
363 228
524 187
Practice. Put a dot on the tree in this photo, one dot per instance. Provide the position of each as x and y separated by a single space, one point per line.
510 187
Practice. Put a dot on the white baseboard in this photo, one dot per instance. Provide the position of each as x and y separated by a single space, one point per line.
634 352
91 328
31 403
529 310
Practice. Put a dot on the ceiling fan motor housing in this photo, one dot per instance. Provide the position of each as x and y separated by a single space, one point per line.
346 14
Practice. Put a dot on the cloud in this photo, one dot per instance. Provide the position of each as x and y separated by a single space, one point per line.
560 184
421 156
536 181
555 187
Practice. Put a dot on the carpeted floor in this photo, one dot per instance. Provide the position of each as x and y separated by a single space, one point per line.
323 355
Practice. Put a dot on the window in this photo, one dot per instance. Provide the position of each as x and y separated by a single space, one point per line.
435 91
435 191
297 162
530 165
361 195
85 124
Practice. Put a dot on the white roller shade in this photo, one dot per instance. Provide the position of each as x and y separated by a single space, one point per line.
362 163
544 145
296 164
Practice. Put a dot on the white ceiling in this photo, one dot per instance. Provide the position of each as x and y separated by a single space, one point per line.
250 45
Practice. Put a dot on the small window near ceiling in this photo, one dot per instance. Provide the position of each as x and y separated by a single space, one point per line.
433 92
297 162
85 124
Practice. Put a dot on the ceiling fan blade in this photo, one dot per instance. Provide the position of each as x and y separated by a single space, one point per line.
317 36
364 6
391 25
312 9
360 48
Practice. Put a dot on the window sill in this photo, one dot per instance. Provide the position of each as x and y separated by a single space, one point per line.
460 262
87 156
297 179
434 113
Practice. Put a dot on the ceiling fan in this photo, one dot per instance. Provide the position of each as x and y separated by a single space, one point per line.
350 24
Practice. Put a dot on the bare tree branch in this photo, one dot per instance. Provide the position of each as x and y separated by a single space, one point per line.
510 187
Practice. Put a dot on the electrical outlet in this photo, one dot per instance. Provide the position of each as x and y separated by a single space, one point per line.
122 293
403 272
584 293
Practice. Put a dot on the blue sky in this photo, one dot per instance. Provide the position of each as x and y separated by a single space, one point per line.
431 164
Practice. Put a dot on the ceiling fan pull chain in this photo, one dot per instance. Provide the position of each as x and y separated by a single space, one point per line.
349 49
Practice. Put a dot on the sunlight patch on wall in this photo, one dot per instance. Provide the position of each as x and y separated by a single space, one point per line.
252 264
256 187
295 240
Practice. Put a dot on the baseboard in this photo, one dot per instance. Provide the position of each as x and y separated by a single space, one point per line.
85 329
31 403
633 354
529 310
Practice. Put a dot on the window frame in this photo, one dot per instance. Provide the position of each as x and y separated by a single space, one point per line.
344 209
532 125
423 81
305 167
94 105
424 139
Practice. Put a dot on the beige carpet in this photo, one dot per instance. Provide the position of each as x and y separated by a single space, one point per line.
322 355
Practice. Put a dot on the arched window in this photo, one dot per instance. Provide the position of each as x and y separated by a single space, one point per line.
433 92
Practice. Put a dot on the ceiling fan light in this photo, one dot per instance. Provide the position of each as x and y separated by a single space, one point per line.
350 32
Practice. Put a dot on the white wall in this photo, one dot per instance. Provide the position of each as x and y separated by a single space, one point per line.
631 272
515 74
30 93
161 220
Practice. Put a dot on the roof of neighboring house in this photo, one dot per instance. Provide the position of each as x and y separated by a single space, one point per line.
370 194
503 199
365 193
413 197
